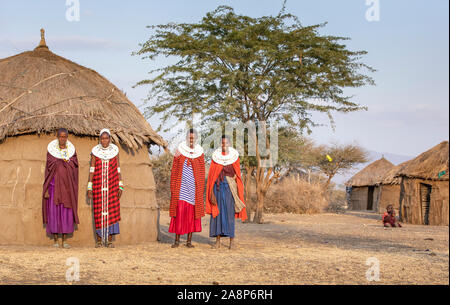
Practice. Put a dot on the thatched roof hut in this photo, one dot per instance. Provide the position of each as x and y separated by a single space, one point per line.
41 92
372 174
424 195
428 165
363 186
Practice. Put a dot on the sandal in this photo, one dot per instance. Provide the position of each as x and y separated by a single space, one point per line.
110 245
176 244
56 245
189 245
66 245
98 244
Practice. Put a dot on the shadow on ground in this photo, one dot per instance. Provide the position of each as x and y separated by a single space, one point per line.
364 214
168 238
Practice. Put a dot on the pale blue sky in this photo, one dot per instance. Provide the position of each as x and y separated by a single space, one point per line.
408 109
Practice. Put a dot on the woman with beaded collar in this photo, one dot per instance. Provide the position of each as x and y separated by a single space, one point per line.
187 182
105 188
224 193
60 189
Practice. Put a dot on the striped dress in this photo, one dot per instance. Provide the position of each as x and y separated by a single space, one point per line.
185 221
187 188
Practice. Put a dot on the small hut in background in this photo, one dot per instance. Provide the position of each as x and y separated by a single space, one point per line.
363 187
41 92
389 190
424 188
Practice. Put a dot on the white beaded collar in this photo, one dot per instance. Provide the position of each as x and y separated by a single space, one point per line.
105 153
224 160
54 150
188 152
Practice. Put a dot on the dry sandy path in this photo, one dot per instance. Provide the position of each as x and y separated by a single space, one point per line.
288 249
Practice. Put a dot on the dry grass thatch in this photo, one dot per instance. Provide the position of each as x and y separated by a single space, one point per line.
371 174
41 92
390 178
428 165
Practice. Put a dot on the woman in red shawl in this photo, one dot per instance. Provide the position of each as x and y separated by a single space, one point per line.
224 193
105 188
60 190
187 182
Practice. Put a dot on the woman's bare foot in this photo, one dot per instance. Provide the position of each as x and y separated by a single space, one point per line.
232 246
217 244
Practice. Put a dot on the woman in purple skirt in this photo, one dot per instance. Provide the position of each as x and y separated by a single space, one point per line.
60 191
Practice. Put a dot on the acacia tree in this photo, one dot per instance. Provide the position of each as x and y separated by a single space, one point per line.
295 152
343 158
235 67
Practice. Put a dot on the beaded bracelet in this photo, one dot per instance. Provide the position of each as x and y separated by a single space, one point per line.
89 186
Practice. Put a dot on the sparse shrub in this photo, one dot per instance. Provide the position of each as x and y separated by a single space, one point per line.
295 196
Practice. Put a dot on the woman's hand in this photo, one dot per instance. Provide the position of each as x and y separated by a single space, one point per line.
90 194
213 199
120 193
46 195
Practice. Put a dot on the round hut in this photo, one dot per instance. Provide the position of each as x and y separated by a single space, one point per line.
364 186
41 92
424 188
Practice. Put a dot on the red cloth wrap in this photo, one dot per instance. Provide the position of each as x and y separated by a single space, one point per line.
198 166
185 222
66 184
113 194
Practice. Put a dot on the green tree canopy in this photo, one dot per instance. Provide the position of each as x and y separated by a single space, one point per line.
344 157
237 67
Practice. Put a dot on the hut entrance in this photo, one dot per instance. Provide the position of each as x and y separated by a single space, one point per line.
370 198
425 192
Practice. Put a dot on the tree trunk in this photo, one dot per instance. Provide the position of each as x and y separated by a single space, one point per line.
247 197
259 207
327 184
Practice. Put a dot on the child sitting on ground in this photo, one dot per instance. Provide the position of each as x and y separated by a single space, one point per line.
389 217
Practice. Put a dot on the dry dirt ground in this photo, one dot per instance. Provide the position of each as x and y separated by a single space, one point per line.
287 249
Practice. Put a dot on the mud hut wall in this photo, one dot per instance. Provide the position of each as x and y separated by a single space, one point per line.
439 203
22 165
389 194
358 198
411 205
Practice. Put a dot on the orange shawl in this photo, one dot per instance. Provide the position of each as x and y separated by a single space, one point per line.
213 174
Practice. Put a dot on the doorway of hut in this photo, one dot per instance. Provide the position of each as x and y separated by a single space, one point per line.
425 196
370 198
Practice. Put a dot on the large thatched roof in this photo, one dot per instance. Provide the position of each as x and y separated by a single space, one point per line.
428 165
372 174
41 92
